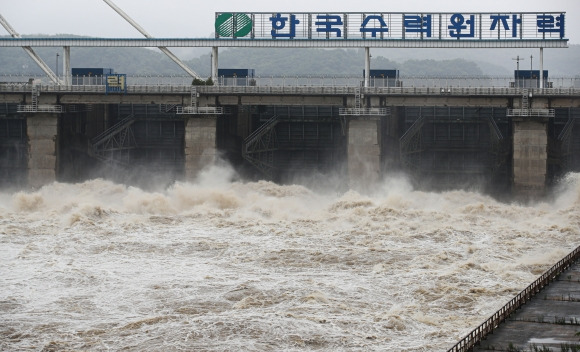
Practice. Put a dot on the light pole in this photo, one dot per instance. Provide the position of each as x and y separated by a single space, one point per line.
517 75
57 64
532 69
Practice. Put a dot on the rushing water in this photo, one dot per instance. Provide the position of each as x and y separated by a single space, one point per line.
216 265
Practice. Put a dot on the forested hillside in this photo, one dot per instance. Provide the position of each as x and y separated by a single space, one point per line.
289 62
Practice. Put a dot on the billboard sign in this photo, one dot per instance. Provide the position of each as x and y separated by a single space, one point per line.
391 26
116 83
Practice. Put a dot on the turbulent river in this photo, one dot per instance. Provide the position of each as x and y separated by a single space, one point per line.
217 265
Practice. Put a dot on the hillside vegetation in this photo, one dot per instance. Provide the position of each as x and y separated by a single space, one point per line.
289 62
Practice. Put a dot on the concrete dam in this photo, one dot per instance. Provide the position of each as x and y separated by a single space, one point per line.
515 140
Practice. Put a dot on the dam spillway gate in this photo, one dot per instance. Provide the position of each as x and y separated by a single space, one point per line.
440 147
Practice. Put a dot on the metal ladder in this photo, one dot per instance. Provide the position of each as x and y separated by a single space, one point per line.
357 98
193 97
525 102
35 94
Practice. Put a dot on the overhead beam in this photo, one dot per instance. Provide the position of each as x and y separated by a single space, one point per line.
43 66
214 64
272 43
147 35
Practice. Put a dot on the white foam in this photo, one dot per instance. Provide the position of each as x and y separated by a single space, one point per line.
223 265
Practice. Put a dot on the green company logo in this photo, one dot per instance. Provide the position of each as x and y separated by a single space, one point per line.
233 25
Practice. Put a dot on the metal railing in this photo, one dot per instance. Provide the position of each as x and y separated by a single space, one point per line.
199 110
40 108
308 86
531 112
324 80
364 111
98 89
492 323
481 91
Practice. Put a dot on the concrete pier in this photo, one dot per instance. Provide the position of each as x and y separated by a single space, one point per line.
200 144
364 153
42 131
530 156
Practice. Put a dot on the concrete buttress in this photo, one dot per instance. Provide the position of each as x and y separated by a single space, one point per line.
200 144
364 154
42 131
530 157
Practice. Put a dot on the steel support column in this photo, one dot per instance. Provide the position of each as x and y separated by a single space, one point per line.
541 68
367 66
43 66
214 64
147 35
66 71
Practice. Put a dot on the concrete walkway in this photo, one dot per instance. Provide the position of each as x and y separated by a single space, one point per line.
551 321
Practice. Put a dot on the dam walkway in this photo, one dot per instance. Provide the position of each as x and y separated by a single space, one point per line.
543 317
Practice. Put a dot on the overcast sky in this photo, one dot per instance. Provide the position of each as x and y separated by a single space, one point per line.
195 18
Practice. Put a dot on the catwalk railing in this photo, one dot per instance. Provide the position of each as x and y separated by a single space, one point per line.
291 90
313 81
492 323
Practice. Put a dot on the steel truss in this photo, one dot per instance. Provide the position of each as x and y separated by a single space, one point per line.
114 144
565 138
411 146
260 146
